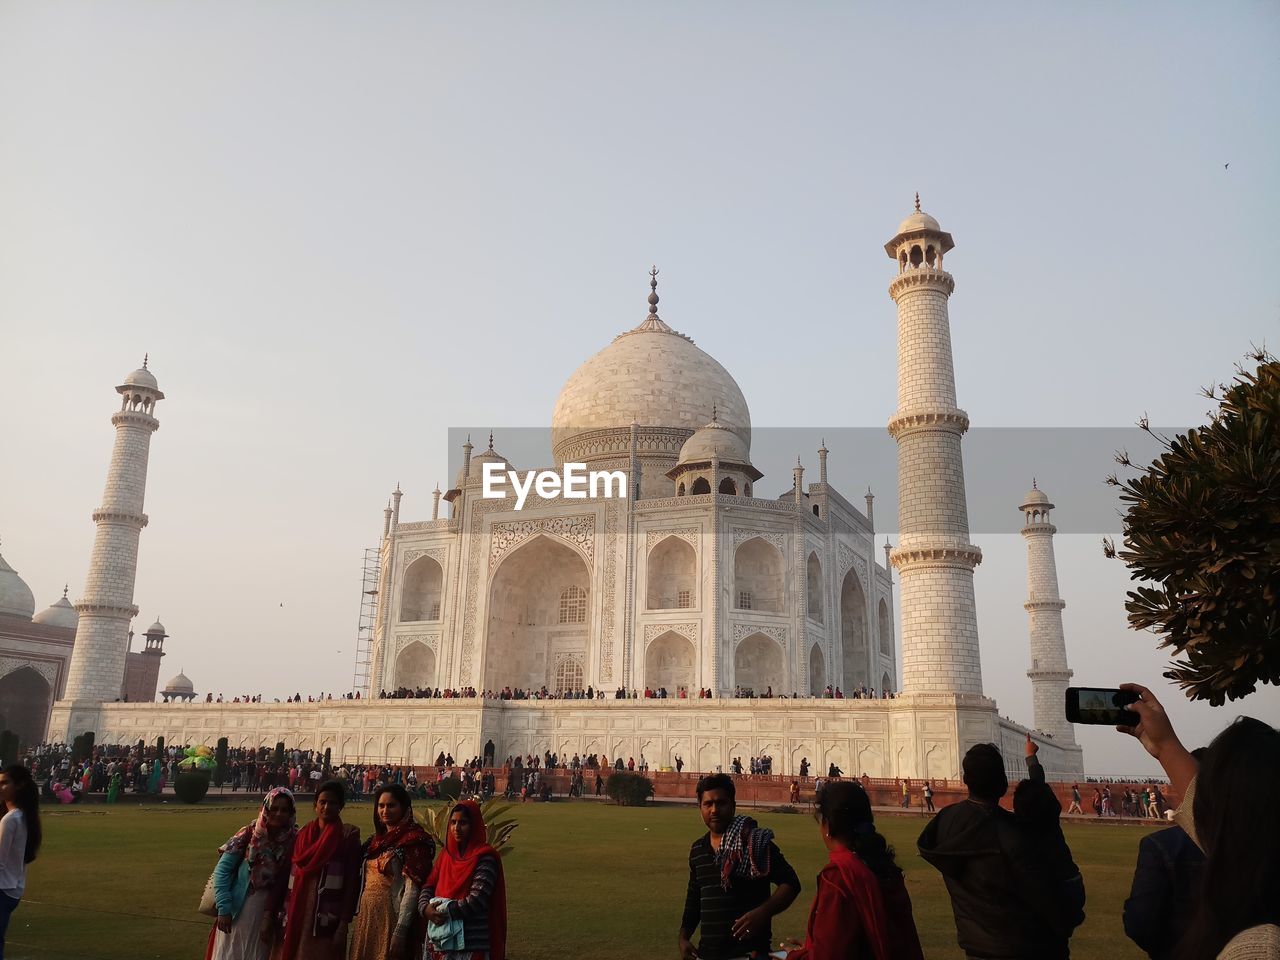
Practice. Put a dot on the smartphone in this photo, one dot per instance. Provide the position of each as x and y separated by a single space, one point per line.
1101 705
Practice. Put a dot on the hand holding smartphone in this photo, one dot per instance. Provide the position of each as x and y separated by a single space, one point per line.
1101 705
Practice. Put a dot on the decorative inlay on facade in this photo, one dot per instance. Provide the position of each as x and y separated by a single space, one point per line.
847 558
437 554
742 534
431 640
690 534
579 531
743 630
45 668
610 587
654 630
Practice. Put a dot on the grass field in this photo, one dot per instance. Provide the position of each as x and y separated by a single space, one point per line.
584 880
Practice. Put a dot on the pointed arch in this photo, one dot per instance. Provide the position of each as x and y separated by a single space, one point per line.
758 663
853 632
25 701
421 591
669 662
815 588
700 485
526 593
758 582
817 671
886 628
415 666
671 575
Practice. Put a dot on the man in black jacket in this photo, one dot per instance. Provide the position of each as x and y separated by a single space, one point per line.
1009 902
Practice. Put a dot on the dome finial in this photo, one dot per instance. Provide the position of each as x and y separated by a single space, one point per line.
715 412
653 293
145 358
65 588
1033 484
917 201
490 440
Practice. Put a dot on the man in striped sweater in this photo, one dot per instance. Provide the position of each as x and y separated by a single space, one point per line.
732 868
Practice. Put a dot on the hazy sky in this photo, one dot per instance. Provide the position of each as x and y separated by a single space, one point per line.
340 229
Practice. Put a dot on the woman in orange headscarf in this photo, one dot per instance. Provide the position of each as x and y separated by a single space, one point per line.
466 893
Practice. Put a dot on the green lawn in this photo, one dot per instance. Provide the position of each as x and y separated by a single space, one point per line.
584 881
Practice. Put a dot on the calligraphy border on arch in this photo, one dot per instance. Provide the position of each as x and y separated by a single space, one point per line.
743 630
742 534
438 554
690 535
579 531
46 668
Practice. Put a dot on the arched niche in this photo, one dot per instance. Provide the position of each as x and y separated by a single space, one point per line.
757 576
758 664
671 575
886 628
421 591
700 485
25 699
415 666
528 595
813 581
853 632
886 682
569 676
817 672
727 486
669 662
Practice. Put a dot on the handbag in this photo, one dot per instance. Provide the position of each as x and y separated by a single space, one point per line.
208 903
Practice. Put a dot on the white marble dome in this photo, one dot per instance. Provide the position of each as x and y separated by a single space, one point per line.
651 376
919 221
715 441
16 599
142 377
60 614
156 627
179 684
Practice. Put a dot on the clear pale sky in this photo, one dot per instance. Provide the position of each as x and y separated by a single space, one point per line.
341 229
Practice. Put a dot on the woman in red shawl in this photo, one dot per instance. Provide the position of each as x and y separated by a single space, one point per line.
322 883
464 901
397 862
861 909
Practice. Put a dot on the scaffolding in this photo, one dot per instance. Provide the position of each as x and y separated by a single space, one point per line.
368 620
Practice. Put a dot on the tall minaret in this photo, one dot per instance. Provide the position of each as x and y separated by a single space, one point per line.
934 557
1049 672
102 635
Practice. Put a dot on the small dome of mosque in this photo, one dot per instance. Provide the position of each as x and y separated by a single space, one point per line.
919 221
715 441
478 461
1035 498
16 599
156 627
60 614
142 377
179 684
651 376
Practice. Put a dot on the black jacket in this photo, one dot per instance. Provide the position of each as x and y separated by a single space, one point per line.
1165 891
1009 904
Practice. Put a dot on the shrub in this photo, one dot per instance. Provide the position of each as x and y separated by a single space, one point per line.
450 788
190 786
629 789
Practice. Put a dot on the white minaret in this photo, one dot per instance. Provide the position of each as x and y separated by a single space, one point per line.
102 635
1049 672
934 557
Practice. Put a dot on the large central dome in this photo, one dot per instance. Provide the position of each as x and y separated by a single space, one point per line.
651 376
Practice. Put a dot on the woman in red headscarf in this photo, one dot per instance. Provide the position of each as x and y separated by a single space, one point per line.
464 900
397 862
862 910
322 883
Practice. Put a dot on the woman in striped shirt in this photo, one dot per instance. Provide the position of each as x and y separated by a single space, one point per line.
466 893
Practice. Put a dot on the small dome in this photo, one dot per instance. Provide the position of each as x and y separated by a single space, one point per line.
919 221
142 377
16 599
1036 498
717 441
479 460
179 684
60 614
156 627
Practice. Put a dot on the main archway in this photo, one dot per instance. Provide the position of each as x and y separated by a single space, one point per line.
421 592
671 574
539 603
853 632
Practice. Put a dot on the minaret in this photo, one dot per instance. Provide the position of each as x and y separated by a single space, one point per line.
97 670
1049 672
935 559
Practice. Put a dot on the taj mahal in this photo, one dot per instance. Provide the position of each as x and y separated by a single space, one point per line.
687 582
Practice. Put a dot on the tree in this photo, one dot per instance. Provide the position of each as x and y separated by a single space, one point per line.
1202 527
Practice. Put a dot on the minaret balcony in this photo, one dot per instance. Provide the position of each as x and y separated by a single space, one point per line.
928 277
1048 528
904 422
1032 605
1051 673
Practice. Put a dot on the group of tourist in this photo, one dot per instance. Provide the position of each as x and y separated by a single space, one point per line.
1148 801
318 893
